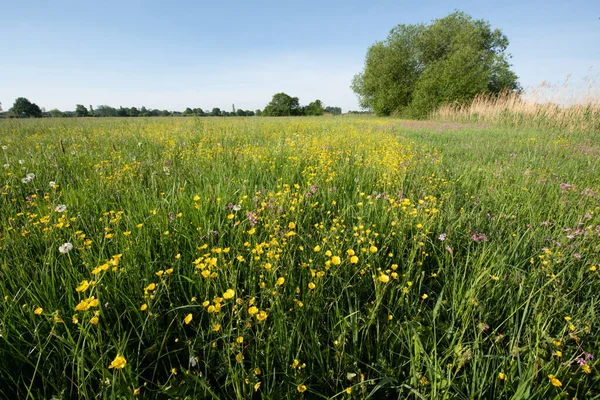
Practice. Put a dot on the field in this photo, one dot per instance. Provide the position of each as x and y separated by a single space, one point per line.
300 257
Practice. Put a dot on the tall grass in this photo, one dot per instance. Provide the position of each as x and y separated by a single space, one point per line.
546 107
289 258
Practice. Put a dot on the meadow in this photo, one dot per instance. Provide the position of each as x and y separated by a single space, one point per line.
274 258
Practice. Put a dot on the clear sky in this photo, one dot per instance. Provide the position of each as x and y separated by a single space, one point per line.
177 54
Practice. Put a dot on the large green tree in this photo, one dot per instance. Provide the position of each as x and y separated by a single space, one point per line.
22 106
418 67
282 105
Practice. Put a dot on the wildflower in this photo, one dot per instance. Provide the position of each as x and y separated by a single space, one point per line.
151 286
354 260
144 307
586 368
137 391
216 328
301 388
38 311
502 376
384 278
94 320
87 304
311 285
317 248
65 248
295 363
83 286
554 381
335 260
252 310
240 339
257 386
262 315
373 249
291 225
119 362
424 296
280 281
229 293
442 237
60 208
188 319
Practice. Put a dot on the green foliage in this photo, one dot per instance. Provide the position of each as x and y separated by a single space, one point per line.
315 108
419 67
282 105
81 111
23 107
333 110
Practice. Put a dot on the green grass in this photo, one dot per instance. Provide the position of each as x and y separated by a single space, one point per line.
215 204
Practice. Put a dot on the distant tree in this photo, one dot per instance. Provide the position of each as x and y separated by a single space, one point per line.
198 112
81 111
258 113
122 112
134 112
23 107
91 111
56 113
215 112
419 67
314 108
282 105
143 112
188 111
333 110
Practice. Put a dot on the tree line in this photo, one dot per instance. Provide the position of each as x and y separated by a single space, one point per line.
281 105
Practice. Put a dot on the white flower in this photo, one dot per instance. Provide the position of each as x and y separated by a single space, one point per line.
6 165
52 184
26 179
4 147
21 162
31 175
60 208
237 207
65 248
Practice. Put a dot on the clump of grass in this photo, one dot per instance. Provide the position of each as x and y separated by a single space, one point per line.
547 107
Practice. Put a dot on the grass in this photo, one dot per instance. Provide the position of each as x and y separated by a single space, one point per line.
301 257
535 110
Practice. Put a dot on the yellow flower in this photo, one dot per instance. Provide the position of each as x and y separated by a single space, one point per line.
373 249
240 339
38 311
336 260
216 328
384 278
137 391
311 285
151 286
291 225
83 286
280 281
257 386
196 198
262 316
586 368
94 320
424 296
554 381
119 362
295 364
144 307
127 233
188 319
349 390
317 248
567 318
252 310
229 293
301 388
353 260
502 376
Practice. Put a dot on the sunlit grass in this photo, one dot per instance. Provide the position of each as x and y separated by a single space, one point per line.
281 258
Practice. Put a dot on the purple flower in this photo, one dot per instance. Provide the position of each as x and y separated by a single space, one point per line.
442 237
252 218
479 237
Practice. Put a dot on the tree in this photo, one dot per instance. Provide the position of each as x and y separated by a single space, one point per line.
314 108
282 105
23 107
81 111
333 110
419 67
215 112
56 113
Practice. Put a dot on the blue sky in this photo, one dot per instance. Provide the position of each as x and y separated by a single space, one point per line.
172 55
